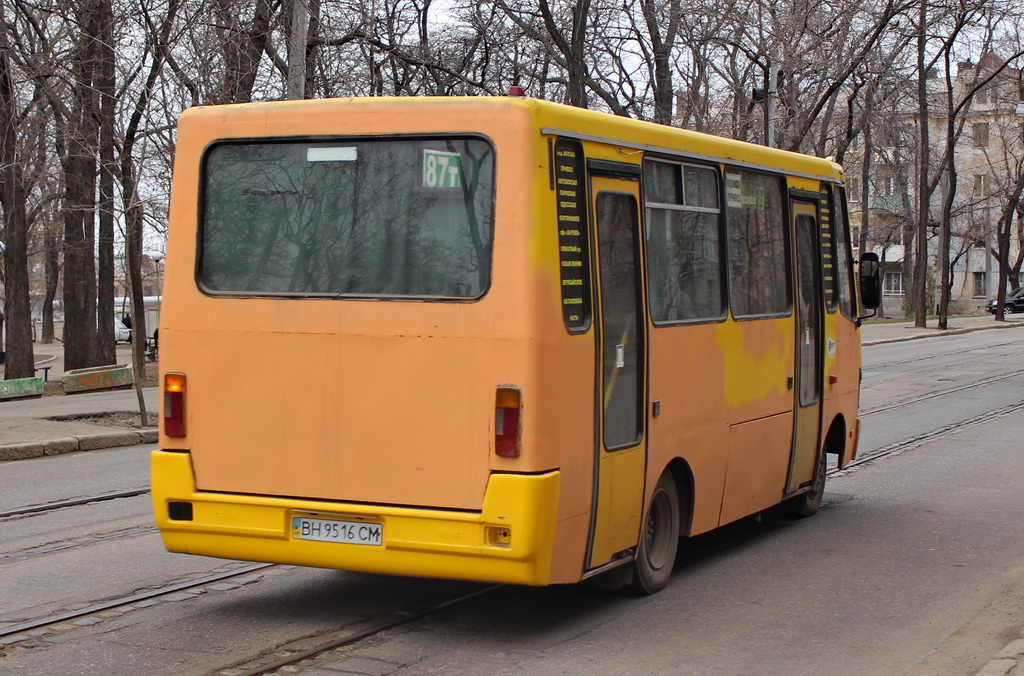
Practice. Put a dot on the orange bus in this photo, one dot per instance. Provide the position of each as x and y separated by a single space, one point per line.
493 339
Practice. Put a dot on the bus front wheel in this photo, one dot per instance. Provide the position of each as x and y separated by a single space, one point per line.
659 538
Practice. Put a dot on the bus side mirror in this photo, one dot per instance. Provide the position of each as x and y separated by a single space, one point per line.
870 281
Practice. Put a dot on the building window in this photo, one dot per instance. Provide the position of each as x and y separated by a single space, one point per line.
980 131
979 285
893 285
979 185
853 185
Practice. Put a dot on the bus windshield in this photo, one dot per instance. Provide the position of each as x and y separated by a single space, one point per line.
398 217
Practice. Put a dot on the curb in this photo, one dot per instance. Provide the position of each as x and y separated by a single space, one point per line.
1005 660
85 442
939 334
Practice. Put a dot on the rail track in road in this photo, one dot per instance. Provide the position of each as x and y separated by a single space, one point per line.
123 602
913 442
941 393
44 507
275 660
284 657
914 360
56 505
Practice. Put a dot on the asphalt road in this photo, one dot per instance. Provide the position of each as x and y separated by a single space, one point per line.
914 565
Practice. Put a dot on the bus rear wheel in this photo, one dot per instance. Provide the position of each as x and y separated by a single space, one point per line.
659 539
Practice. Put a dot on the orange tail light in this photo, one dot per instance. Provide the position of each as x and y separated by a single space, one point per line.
507 419
174 404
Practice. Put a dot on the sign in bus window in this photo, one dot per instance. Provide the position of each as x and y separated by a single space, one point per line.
572 250
828 242
441 170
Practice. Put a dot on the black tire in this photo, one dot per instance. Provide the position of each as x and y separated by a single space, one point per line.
659 539
808 504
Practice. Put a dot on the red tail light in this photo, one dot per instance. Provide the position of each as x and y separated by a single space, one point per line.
507 410
174 404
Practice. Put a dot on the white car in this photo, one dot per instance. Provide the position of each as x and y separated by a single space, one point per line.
122 334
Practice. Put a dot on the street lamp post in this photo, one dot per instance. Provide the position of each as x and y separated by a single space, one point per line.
158 258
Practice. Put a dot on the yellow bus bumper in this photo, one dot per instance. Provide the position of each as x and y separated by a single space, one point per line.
511 540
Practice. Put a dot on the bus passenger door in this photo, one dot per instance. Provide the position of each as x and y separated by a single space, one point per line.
808 386
621 369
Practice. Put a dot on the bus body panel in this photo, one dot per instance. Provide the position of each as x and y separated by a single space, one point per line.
367 419
385 408
690 357
842 379
509 540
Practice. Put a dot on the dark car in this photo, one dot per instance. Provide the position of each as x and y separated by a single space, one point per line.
1014 303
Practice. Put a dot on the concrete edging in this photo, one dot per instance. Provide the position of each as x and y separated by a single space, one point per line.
85 442
110 377
939 334
21 388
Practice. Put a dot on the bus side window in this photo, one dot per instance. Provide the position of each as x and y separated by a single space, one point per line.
684 248
758 244
844 256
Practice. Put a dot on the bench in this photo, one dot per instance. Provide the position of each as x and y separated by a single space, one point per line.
46 372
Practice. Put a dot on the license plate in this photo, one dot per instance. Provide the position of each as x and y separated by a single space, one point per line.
333 530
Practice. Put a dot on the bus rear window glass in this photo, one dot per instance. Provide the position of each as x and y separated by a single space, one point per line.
756 222
394 218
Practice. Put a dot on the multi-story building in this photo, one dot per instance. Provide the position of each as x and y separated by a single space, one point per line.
988 159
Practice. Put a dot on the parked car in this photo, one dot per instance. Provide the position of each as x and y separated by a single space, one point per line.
1014 303
122 334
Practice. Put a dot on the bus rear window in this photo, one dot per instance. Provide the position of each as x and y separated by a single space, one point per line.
405 218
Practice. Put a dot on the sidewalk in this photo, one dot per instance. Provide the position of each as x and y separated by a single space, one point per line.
28 428
876 332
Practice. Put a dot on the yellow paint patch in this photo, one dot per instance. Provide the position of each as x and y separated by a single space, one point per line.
759 359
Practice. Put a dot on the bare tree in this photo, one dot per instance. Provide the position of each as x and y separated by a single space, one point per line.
17 312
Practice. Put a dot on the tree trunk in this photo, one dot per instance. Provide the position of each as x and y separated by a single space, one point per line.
51 267
242 50
573 50
1004 228
133 208
134 222
865 189
19 360
920 282
105 112
80 201
662 47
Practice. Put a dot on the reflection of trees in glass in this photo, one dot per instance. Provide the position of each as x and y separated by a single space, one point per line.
362 224
757 247
684 265
684 251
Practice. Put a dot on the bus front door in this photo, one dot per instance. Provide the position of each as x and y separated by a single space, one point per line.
807 404
621 369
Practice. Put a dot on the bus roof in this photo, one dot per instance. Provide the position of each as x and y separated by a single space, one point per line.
278 119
